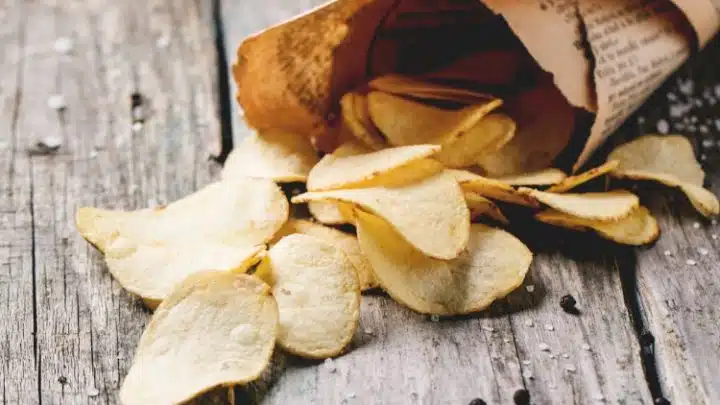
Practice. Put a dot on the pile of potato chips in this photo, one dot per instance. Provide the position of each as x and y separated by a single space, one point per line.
420 165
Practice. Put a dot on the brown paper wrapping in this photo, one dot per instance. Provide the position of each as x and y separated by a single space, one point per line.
605 56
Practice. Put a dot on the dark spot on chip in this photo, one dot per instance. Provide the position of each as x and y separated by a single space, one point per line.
521 397
62 380
567 303
477 401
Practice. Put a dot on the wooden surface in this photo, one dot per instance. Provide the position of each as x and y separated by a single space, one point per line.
69 331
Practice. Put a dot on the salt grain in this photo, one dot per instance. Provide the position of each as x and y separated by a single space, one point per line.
544 347
585 346
530 288
350 395
56 102
529 323
137 126
528 374
703 157
686 87
599 397
506 340
526 362
570 368
488 328
368 331
63 45
641 120
93 392
163 41
696 225
565 356
714 236
704 129
691 262
694 119
552 356
549 327
49 144
330 365
667 253
698 103
708 143
703 251
671 97
663 127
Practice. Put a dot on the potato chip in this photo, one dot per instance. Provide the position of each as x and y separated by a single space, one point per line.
330 212
222 227
430 214
578 179
406 122
317 293
348 243
214 329
669 160
488 135
494 264
610 205
275 155
415 88
545 123
638 228
357 119
542 177
480 206
490 188
349 171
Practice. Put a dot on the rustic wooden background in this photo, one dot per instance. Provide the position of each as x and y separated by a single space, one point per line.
649 323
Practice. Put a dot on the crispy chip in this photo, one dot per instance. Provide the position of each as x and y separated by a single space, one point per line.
330 212
409 87
431 213
610 205
275 155
357 119
492 188
214 329
481 206
406 122
639 228
545 123
488 135
494 264
669 160
222 227
317 293
538 178
348 243
574 181
351 171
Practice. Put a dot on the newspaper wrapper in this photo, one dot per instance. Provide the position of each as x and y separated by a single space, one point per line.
605 56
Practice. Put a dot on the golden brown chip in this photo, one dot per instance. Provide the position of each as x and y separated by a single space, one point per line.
574 181
357 119
275 155
543 177
488 135
406 122
494 264
481 206
348 243
545 123
607 206
669 160
214 329
345 170
431 213
416 88
222 227
317 293
492 188
638 228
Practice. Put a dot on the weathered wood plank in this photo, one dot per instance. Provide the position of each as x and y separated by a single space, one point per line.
163 50
409 359
18 373
680 298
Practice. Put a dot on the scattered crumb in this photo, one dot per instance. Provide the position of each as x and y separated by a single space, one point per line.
714 236
544 347
694 119
667 253
703 251
93 392
368 331
330 365
63 45
585 346
488 328
707 143
350 395
663 127
696 225
137 126
703 157
163 41
691 262
704 130
671 97
549 327
686 87
570 368
529 323
530 288
56 102
565 356
506 340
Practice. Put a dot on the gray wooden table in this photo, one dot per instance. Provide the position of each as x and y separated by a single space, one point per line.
68 331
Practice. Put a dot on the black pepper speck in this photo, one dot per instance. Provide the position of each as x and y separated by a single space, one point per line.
62 380
567 303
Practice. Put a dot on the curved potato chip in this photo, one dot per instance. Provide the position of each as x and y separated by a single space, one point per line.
538 178
333 171
574 181
494 189
669 160
331 212
481 206
357 119
317 294
430 214
545 123
214 329
638 228
409 87
610 205
275 155
489 134
222 226
406 122
494 264
348 243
